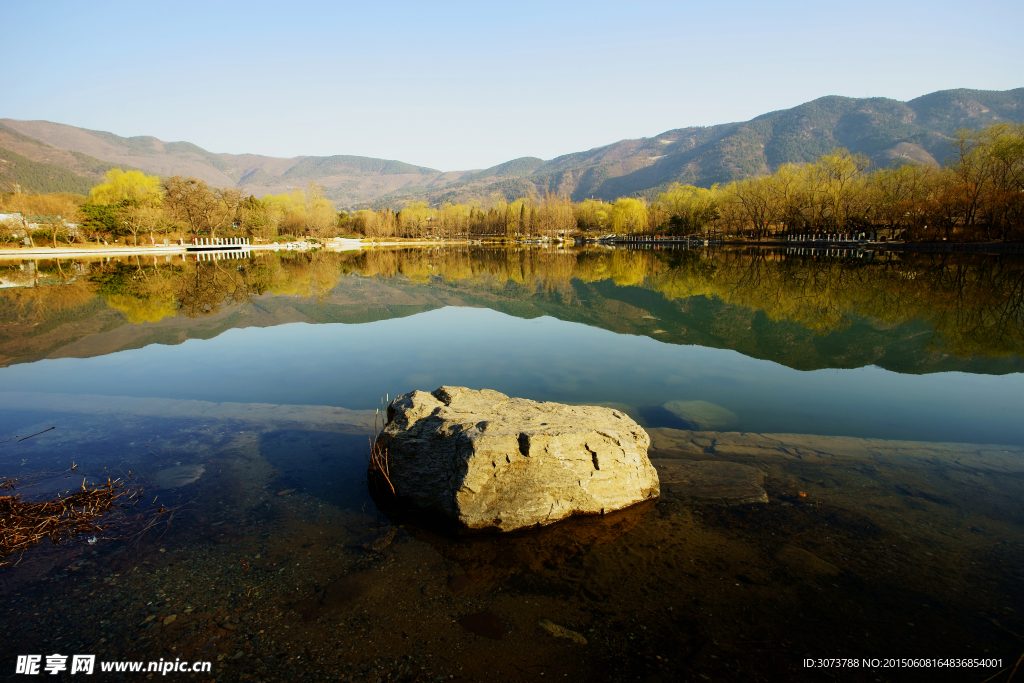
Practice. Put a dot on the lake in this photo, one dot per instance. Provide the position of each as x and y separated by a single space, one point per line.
873 399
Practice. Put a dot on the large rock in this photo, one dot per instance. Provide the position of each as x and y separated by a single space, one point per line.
488 461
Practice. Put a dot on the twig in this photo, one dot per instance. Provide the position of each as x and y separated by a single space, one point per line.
379 463
36 434
378 459
1015 635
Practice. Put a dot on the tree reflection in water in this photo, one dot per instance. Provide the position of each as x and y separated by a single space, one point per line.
970 306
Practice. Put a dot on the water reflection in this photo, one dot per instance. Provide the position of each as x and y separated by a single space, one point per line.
226 386
803 312
549 325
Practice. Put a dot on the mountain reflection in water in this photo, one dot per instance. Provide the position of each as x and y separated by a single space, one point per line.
909 312
865 502
870 347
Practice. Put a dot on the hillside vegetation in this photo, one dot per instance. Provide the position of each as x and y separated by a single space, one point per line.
18 172
884 130
38 167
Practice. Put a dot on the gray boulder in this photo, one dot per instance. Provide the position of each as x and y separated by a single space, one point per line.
488 461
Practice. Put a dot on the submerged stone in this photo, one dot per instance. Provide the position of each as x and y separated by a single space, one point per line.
702 416
561 632
487 461
173 477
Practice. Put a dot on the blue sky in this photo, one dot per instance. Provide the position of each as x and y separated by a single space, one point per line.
468 85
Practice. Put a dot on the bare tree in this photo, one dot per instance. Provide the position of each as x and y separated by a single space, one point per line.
138 218
192 201
320 214
62 210
230 198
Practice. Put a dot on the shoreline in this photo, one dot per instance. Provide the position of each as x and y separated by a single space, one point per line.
171 249
360 244
174 249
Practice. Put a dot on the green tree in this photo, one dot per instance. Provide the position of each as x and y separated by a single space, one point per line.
100 218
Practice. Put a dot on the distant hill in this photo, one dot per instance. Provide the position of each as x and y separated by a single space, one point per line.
517 167
348 180
886 130
25 175
38 167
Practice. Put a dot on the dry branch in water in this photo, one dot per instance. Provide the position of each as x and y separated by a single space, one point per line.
23 524
377 460
379 465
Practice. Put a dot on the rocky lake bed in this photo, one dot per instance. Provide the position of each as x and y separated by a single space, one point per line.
762 549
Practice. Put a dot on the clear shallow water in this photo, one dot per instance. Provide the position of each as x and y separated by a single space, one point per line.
894 549
542 359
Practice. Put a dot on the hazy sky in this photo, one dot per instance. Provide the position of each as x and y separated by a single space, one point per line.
468 85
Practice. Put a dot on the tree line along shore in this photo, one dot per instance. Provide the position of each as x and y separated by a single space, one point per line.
976 196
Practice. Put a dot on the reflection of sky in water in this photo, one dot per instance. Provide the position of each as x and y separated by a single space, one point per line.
354 365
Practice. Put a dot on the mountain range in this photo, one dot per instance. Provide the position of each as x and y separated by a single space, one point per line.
43 156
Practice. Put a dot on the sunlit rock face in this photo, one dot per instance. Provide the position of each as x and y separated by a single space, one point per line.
488 461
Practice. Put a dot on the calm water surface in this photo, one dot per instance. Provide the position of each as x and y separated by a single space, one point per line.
875 400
